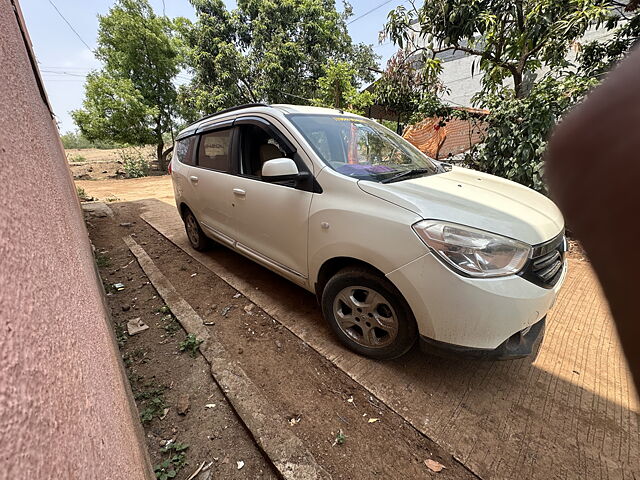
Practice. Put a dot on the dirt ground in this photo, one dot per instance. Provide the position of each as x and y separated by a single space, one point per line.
101 164
552 415
315 399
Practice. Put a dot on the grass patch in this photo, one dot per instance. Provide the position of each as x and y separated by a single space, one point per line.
75 157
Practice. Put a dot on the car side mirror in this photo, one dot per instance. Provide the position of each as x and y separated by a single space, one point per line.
280 169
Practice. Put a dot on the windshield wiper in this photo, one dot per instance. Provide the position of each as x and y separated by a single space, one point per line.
407 173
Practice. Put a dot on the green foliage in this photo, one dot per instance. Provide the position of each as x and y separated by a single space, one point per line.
75 157
170 466
115 109
82 195
152 399
78 140
340 439
190 344
406 85
509 38
518 128
121 334
264 51
134 163
337 88
171 325
131 99
598 57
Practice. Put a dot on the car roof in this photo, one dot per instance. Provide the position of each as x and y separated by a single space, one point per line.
285 109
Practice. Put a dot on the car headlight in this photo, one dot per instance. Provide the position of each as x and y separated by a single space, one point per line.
471 251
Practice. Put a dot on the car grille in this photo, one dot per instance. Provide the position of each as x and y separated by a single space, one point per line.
545 267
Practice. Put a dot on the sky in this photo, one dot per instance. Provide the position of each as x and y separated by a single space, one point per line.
64 59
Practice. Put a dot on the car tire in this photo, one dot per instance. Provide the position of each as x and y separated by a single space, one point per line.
198 240
368 314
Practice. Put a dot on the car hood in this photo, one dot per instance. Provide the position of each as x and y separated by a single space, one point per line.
477 200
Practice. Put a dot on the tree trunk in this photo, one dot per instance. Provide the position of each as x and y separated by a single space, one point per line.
162 164
518 85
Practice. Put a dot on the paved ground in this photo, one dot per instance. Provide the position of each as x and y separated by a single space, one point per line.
569 413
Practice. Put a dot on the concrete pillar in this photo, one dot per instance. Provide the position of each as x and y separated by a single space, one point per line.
65 406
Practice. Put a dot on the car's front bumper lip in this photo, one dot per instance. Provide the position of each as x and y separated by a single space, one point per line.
518 345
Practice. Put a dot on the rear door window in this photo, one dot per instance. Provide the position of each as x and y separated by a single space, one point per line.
214 150
185 150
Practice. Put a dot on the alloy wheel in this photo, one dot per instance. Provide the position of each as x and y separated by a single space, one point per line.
366 316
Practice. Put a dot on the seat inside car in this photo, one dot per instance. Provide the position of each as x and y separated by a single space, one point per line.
268 151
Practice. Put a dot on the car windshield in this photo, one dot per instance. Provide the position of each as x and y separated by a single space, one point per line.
362 148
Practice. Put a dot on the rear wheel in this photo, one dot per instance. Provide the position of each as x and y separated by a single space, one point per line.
368 314
198 240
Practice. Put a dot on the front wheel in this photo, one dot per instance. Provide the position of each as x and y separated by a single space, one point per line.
368 314
197 238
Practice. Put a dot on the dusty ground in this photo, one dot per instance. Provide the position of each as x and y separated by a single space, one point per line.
313 397
101 164
561 414
159 374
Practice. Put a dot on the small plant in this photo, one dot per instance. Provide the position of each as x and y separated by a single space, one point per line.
340 439
102 260
169 467
154 408
164 309
75 157
191 344
121 335
134 163
171 325
153 401
82 195
112 198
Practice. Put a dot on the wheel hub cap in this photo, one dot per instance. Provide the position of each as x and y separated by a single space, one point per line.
192 230
366 316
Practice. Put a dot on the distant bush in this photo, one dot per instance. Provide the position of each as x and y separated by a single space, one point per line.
134 163
77 140
75 157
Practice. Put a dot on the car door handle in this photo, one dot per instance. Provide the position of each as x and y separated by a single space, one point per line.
239 192
193 179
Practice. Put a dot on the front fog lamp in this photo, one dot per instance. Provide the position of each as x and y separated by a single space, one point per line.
473 252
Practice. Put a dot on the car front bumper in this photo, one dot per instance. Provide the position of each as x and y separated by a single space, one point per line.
471 313
518 345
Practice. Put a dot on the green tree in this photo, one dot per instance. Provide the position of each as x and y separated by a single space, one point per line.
337 88
515 40
131 100
406 85
265 51
510 38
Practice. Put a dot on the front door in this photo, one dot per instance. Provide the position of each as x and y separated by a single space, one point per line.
271 218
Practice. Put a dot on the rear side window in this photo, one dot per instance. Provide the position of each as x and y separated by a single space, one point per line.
184 151
214 150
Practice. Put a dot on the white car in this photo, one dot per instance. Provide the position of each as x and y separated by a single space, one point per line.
396 246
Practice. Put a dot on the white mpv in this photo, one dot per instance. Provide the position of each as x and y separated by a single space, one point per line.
396 246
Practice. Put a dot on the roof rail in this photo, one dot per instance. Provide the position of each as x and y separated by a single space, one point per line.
231 109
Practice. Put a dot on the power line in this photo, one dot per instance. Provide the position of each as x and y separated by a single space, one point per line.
369 11
71 26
